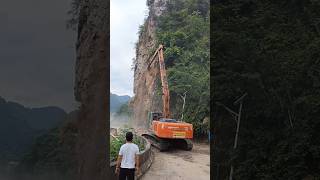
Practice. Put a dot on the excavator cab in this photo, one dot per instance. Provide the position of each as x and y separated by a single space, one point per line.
155 116
168 120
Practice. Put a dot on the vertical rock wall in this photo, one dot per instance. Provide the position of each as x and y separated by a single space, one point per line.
146 81
91 87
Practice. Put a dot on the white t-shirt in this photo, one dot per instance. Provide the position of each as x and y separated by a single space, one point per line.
128 152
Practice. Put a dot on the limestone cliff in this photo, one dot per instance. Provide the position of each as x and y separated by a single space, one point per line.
146 81
91 89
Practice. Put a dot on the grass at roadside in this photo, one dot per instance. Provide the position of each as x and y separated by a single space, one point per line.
115 143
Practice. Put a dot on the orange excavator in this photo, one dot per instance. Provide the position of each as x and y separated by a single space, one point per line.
164 131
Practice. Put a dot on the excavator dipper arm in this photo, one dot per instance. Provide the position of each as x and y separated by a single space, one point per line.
164 81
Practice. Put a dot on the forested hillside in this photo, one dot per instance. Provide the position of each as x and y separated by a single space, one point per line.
20 128
183 29
52 155
116 102
21 125
270 50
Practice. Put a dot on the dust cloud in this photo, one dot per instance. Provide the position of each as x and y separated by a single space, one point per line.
120 121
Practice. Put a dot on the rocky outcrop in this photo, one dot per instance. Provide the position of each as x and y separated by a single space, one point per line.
91 89
146 81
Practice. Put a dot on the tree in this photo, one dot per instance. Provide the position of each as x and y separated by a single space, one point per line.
184 31
268 49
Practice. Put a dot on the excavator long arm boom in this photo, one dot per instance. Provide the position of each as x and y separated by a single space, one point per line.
164 81
165 134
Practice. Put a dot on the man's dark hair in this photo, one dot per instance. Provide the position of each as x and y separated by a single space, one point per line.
129 136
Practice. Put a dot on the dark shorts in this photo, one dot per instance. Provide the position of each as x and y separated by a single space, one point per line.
126 174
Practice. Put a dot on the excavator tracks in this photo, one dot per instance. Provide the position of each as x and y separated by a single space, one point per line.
185 144
165 144
159 143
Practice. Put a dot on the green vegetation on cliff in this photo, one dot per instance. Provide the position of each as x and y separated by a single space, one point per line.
269 49
184 31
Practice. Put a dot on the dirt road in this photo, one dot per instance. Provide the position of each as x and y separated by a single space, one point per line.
180 165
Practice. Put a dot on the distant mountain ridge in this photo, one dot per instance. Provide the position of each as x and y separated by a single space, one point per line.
21 125
117 101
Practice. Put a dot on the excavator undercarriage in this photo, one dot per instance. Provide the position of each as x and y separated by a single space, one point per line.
165 144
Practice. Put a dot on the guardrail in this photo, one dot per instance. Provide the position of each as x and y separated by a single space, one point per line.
145 156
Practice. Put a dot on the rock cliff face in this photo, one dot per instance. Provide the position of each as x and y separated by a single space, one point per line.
146 81
91 89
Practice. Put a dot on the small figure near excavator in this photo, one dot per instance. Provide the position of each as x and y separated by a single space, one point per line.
128 159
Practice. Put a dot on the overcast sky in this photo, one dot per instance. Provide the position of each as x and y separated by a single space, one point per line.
37 53
126 17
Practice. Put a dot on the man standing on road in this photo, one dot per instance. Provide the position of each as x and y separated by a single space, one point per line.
128 158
